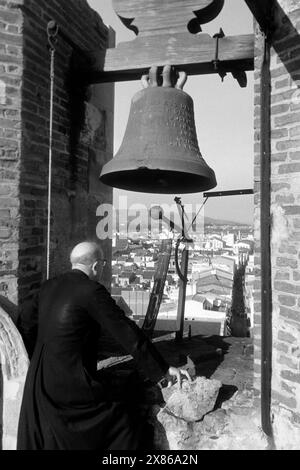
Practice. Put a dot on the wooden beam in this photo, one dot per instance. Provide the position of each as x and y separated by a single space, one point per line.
262 10
152 17
195 54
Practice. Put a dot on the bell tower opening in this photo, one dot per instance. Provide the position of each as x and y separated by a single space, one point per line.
218 299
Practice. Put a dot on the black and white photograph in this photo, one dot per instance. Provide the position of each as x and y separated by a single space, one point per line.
149 228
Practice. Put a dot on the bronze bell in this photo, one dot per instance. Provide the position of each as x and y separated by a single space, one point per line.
160 152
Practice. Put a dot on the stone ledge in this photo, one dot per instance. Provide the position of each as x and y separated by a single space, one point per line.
234 426
13 368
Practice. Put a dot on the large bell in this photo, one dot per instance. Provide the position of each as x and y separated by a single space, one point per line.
160 152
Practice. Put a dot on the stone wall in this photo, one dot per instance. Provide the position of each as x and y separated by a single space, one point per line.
82 140
13 369
285 209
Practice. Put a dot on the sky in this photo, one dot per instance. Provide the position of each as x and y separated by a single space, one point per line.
223 117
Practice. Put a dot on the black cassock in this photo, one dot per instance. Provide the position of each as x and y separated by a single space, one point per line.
66 404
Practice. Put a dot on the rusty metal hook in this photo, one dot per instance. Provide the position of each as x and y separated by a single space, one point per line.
52 32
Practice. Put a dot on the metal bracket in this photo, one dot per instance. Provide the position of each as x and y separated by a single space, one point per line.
216 61
238 75
234 192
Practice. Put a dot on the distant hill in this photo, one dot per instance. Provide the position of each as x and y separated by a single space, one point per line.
121 216
211 221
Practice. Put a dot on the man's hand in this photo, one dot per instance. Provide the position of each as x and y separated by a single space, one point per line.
175 374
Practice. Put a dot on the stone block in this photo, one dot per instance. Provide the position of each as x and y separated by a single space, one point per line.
286 287
286 119
295 351
279 186
282 276
286 388
193 400
289 168
286 430
294 155
279 156
171 432
282 399
281 347
292 377
280 109
287 300
214 423
296 276
286 262
14 364
286 337
236 426
281 83
287 361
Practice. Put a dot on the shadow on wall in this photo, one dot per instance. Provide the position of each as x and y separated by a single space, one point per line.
208 363
78 95
285 36
201 355
73 210
238 321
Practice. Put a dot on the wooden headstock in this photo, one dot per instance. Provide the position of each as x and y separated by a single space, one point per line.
166 34
154 17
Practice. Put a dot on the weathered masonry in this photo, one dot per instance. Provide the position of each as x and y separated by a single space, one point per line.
283 327
82 143
82 139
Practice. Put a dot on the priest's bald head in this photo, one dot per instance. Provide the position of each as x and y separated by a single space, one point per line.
88 257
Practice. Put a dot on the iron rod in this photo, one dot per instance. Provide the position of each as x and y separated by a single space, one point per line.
182 295
235 192
265 234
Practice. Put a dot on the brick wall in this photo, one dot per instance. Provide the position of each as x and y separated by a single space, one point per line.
82 140
285 209
11 69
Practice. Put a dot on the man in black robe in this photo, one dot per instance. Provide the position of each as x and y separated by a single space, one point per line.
66 404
